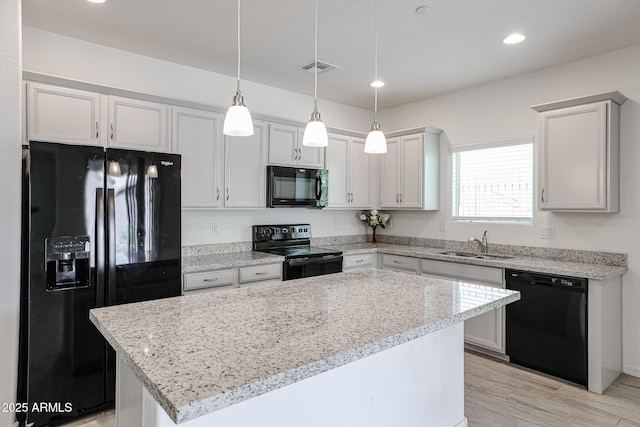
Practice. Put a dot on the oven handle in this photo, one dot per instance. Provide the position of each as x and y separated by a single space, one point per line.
313 260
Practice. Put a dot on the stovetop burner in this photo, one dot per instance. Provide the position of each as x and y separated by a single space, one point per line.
290 241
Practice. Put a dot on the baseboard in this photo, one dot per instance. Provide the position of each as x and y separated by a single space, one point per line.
631 370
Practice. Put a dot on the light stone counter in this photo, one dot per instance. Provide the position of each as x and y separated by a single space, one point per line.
196 263
199 354
562 267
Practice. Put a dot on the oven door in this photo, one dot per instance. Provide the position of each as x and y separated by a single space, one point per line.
291 187
312 266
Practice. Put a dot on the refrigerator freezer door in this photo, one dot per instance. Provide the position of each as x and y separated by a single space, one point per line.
63 359
143 212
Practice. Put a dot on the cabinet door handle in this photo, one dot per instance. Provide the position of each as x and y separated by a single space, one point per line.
542 195
214 279
112 131
97 130
227 193
217 193
397 197
401 198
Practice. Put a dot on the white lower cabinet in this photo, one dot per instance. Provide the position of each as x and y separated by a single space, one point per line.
399 263
486 331
358 261
214 280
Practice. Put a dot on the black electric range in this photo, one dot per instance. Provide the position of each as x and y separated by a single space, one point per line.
294 243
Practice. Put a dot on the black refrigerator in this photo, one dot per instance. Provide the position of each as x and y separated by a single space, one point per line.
99 227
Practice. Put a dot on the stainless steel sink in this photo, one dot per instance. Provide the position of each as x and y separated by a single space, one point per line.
473 255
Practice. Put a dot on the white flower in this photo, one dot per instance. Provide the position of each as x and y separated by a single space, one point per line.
374 211
363 217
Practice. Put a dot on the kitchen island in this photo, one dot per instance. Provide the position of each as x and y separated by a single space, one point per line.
370 347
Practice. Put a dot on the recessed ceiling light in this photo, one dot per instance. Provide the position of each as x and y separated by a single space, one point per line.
96 1
377 83
513 38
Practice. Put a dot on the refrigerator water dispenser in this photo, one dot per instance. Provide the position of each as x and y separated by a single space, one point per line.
67 262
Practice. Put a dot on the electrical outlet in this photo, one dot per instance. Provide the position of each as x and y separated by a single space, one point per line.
548 232
443 227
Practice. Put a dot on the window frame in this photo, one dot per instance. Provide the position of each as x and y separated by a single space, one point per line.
455 191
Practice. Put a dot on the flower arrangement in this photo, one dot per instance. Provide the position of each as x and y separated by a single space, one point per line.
374 219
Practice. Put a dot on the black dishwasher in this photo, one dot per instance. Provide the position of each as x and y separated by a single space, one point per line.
547 329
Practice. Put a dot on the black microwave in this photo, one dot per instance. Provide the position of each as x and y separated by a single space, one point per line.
297 187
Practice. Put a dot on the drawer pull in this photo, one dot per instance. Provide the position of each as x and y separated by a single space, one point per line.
260 273
359 260
398 262
214 279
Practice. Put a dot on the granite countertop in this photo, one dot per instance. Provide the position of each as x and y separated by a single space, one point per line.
196 263
517 262
201 353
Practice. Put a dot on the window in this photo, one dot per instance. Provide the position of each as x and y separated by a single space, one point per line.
493 181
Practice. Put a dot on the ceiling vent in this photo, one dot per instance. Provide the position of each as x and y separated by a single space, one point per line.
321 66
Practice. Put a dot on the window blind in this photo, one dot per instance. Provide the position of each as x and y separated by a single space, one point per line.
493 183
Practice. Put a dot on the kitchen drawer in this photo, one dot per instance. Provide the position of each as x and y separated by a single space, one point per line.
474 273
210 279
357 261
402 263
261 272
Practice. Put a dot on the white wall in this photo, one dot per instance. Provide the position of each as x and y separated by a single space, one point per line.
502 110
56 55
10 153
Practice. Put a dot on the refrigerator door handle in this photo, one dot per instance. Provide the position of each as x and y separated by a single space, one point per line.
99 245
111 247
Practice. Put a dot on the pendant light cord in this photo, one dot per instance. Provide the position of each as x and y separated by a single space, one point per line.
238 81
375 64
315 65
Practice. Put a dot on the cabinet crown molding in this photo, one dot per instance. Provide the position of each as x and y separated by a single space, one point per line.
614 96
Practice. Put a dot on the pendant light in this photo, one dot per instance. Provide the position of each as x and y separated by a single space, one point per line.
375 143
238 121
315 134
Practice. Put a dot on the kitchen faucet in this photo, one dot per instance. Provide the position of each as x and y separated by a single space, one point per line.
484 246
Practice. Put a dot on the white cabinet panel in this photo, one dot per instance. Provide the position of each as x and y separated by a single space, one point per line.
58 114
400 263
197 136
261 272
286 149
486 330
409 172
579 154
245 170
210 279
358 261
349 173
138 124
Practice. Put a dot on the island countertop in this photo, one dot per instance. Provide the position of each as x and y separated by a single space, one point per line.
201 353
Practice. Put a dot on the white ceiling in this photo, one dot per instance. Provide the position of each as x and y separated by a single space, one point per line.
457 44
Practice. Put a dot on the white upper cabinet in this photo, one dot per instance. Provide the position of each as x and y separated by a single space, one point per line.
197 136
245 168
138 124
579 154
286 149
71 116
58 114
349 173
409 172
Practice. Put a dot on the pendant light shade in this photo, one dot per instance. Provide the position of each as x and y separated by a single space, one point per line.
315 134
238 121
376 143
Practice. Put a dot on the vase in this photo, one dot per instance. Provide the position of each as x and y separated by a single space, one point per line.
373 238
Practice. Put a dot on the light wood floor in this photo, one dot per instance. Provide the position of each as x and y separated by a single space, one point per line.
501 395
